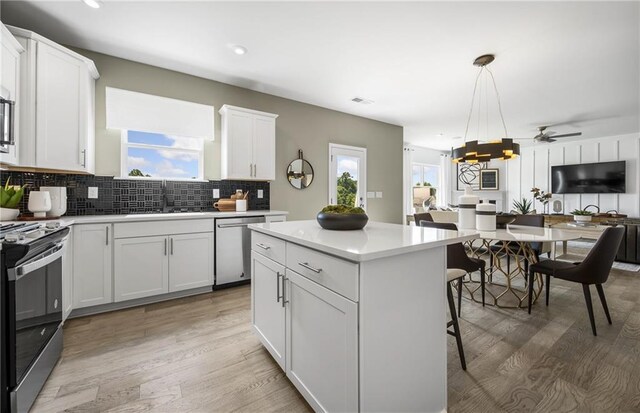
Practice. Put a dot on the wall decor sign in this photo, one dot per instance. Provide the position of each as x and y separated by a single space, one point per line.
468 174
489 179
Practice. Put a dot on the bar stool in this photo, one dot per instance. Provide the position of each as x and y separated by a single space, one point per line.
455 274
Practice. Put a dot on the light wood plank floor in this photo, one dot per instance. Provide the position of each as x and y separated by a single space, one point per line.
198 355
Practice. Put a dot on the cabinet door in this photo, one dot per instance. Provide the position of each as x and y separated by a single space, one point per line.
267 305
190 261
322 345
9 86
92 275
264 148
59 133
239 145
67 277
141 267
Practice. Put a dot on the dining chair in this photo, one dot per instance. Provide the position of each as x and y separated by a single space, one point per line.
536 247
454 274
422 216
457 258
593 270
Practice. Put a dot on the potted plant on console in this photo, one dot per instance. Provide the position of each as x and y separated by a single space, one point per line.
582 215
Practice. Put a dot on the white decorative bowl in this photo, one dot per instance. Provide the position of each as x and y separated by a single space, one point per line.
582 218
9 214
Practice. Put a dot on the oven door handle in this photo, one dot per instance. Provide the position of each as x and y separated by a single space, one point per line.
37 262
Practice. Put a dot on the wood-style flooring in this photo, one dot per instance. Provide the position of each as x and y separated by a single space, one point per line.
198 354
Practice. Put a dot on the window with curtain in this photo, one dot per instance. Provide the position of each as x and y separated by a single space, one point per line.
425 180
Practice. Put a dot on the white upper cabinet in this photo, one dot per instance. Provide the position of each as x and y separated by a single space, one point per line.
57 106
248 144
9 85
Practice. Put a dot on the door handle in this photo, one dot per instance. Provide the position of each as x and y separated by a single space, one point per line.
284 284
171 240
307 266
255 170
165 246
250 169
84 158
278 275
264 247
107 235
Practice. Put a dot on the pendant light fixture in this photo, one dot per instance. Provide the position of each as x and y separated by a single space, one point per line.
475 151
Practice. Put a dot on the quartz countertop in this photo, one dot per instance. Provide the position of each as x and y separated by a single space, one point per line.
99 219
376 240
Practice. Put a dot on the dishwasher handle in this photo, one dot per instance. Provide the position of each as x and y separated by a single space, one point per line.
232 225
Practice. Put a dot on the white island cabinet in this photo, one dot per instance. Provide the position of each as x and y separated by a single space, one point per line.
356 319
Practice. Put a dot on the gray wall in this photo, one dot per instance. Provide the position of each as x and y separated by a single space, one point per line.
299 126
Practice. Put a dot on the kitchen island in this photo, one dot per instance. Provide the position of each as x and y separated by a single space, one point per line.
356 319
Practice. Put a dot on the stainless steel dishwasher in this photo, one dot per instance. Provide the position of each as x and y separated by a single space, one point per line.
233 249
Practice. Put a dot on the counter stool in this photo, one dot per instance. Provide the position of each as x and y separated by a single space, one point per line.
455 274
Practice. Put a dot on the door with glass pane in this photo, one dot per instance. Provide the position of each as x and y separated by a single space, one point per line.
347 175
425 185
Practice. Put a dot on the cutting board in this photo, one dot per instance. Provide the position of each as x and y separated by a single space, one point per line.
225 205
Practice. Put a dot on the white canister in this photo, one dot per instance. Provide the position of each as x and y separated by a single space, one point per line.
467 209
39 203
486 217
241 205
58 200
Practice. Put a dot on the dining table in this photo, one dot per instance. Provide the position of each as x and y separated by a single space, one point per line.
507 287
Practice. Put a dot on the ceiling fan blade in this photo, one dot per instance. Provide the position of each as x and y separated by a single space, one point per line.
550 140
550 132
566 135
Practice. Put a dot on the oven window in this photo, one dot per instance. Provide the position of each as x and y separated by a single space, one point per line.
38 313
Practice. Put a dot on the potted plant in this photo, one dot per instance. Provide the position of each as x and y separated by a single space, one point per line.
542 197
10 197
582 215
522 207
342 217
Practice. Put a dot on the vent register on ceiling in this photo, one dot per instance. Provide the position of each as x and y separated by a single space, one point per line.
128 110
475 151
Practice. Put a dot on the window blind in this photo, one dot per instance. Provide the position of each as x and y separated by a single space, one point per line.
136 111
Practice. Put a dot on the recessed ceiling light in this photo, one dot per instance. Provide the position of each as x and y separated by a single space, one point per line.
239 50
95 4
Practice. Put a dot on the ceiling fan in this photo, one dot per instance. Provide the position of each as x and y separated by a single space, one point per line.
550 136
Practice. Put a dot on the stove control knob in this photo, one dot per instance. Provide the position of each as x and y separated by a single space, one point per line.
12 238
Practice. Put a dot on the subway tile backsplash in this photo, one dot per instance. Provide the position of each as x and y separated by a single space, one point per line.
130 196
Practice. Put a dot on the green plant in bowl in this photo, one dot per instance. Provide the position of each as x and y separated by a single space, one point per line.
10 197
522 207
342 217
581 212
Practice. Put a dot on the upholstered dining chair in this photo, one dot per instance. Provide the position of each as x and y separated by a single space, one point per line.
457 258
422 216
593 270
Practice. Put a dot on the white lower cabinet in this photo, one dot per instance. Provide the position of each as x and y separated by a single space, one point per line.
154 265
322 345
190 261
92 255
141 267
268 307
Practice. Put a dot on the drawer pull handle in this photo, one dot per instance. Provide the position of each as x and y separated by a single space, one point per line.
278 296
264 247
307 266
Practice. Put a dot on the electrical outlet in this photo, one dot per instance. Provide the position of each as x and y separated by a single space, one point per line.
93 192
260 193
371 195
379 194
216 193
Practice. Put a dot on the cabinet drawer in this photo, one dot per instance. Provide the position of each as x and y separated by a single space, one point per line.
268 246
337 275
164 227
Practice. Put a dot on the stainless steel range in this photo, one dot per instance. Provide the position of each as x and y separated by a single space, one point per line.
30 310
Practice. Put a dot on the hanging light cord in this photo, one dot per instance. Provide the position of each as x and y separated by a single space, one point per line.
473 99
499 105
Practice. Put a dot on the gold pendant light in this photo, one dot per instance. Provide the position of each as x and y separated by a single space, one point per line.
475 151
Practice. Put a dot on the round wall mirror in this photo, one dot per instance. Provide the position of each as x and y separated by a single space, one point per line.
300 172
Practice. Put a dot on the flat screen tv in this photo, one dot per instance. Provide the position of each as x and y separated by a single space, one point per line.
589 178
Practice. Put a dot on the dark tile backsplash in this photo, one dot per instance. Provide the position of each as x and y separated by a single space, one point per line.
129 196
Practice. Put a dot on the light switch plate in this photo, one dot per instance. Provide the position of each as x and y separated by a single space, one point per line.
379 194
260 193
216 193
93 192
371 195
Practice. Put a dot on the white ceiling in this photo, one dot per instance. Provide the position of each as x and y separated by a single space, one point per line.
570 64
